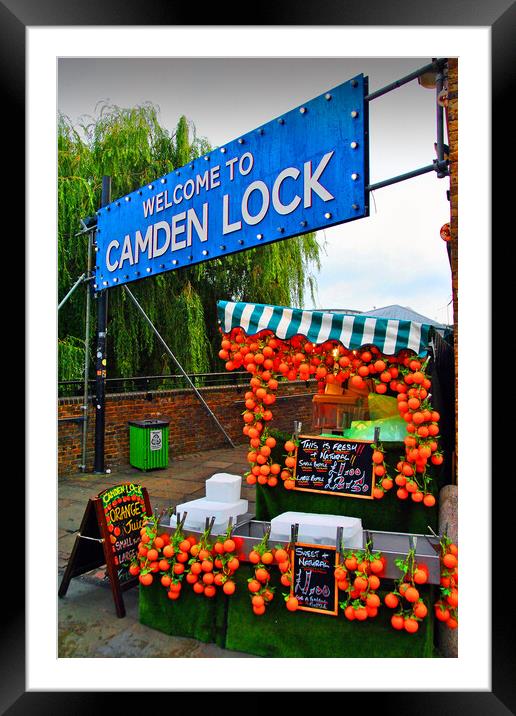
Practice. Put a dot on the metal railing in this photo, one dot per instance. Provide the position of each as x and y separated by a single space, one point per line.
154 383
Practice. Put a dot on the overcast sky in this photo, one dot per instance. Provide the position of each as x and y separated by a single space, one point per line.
394 256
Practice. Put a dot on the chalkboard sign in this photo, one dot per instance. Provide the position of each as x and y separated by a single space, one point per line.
123 514
109 534
313 578
334 466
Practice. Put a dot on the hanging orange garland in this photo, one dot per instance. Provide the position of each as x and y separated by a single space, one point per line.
270 360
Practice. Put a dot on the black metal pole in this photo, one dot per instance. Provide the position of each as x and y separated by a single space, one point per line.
403 177
101 360
434 66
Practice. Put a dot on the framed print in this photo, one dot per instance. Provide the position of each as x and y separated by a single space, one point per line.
157 30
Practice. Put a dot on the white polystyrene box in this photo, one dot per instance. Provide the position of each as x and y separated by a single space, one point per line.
223 487
198 510
318 529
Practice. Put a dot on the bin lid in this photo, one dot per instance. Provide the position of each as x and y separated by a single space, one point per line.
151 423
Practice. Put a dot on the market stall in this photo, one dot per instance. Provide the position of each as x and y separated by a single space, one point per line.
363 474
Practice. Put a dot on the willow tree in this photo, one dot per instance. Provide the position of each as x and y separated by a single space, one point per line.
133 148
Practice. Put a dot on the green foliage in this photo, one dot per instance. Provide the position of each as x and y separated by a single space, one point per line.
71 358
133 148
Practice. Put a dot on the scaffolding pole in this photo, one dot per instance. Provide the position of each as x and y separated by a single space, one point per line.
205 404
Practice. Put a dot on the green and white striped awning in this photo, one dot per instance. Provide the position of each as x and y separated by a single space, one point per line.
353 331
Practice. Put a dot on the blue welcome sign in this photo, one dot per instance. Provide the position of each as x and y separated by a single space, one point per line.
303 171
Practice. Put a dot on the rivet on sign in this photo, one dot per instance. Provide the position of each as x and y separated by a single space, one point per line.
191 166
162 265
94 285
189 258
128 198
354 114
109 208
140 192
136 273
354 177
354 206
281 120
327 215
223 150
118 203
327 96
303 110
96 248
222 247
281 229
354 83
240 241
163 181
178 174
240 141
353 145
303 223
126 276
98 213
174 261
260 131
259 236
104 283
205 253
148 270
150 186
115 280
206 158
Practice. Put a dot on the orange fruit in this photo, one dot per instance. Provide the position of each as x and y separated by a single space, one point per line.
420 610
349 613
411 625
373 582
411 594
229 587
449 560
280 555
254 585
391 600
420 576
397 621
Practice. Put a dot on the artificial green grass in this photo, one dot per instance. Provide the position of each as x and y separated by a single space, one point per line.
192 615
280 633
231 624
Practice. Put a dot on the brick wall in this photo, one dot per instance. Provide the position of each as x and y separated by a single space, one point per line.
191 428
453 129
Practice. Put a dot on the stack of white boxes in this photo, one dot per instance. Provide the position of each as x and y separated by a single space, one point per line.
222 501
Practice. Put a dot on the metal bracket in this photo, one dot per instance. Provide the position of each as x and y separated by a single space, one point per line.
368 538
294 533
340 542
435 547
93 539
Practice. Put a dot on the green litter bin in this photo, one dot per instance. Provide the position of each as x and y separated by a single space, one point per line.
148 444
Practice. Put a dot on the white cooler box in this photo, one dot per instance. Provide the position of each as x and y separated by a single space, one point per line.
318 529
223 487
199 510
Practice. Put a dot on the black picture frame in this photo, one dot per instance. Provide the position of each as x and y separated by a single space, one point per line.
500 16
